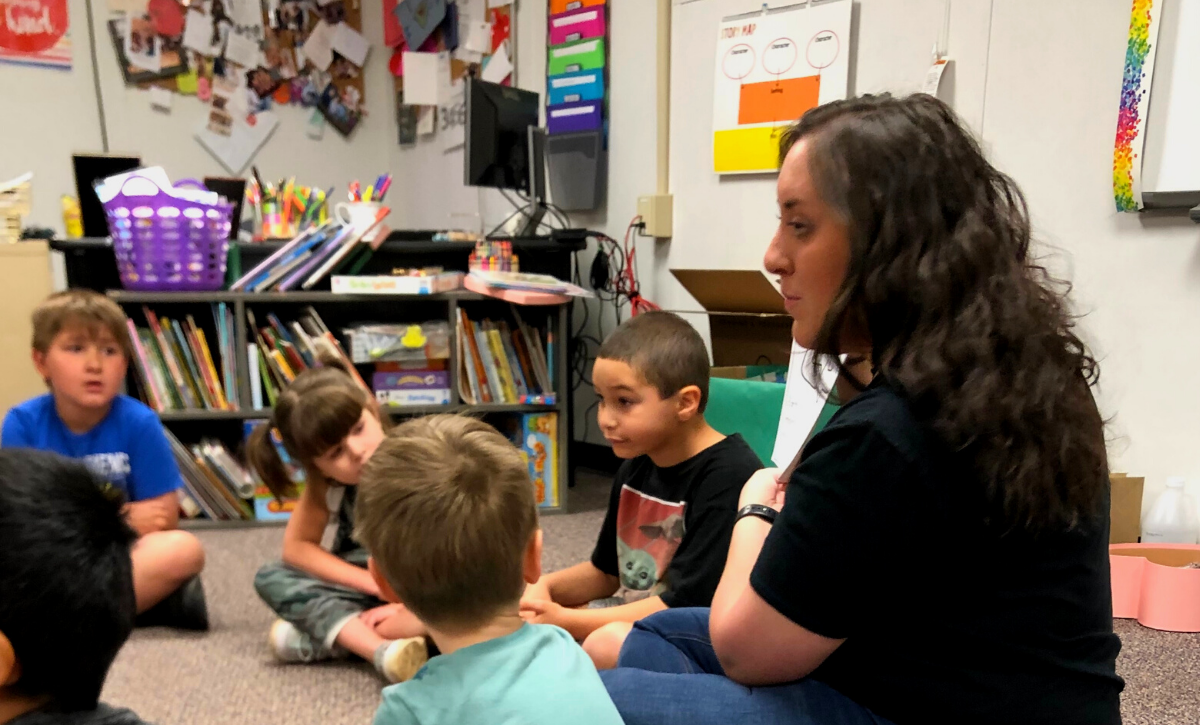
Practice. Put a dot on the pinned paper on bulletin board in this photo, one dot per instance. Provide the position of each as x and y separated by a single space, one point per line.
470 38
772 66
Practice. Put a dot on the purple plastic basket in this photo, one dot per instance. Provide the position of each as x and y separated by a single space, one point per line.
165 243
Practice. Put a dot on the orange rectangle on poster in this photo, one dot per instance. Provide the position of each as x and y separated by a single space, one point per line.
566 6
776 101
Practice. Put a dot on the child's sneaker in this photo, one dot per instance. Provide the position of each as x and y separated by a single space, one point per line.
399 660
289 644
184 608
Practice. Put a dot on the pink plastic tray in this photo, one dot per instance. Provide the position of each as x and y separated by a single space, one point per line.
1149 584
516 296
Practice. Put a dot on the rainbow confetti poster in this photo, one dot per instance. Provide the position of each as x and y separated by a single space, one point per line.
1135 103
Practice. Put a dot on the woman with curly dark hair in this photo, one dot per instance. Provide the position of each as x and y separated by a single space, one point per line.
940 554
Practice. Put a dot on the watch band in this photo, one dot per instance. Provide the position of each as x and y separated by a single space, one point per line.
766 513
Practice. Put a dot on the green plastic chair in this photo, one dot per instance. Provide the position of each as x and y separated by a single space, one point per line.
752 408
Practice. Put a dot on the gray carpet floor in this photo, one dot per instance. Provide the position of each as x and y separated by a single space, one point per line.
227 675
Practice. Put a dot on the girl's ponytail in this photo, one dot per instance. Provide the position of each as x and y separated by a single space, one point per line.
263 457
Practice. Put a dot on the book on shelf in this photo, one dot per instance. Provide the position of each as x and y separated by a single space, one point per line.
266 506
313 255
536 436
501 362
215 485
177 369
279 352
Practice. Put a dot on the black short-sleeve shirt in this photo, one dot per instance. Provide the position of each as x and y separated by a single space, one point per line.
883 542
667 530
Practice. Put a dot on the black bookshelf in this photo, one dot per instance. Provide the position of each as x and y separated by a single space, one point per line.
228 424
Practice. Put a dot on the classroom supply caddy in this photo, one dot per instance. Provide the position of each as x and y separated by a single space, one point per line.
168 239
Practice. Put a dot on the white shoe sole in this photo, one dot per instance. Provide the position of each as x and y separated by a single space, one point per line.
405 657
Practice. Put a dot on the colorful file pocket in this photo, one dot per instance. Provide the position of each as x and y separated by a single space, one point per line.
575 117
582 24
575 57
557 7
587 85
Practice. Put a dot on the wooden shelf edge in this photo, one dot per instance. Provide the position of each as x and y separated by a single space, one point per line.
210 525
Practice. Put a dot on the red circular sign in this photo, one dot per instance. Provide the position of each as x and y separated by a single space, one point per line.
32 26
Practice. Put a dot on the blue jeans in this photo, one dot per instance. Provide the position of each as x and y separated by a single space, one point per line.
668 674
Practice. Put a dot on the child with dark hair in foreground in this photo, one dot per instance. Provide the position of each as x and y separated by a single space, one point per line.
67 602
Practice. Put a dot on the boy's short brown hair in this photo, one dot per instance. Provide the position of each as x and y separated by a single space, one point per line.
78 307
664 349
446 508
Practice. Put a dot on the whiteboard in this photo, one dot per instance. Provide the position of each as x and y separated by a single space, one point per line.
1171 160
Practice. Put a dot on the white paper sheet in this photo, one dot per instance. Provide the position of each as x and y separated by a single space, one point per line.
498 3
470 57
499 67
426 120
244 48
197 34
453 113
318 47
245 13
802 406
236 150
475 10
316 126
161 99
350 43
478 37
421 78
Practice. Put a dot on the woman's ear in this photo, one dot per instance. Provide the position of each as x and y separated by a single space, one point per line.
389 594
532 563
10 669
689 402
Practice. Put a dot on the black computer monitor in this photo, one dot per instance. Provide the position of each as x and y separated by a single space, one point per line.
90 168
497 137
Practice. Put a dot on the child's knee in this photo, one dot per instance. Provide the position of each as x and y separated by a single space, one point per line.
186 551
604 645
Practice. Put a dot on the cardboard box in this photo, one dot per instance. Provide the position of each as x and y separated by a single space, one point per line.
1125 509
747 322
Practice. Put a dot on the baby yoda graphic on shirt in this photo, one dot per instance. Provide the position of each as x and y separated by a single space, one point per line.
649 531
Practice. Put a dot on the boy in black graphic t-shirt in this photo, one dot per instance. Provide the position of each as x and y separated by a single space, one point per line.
666 534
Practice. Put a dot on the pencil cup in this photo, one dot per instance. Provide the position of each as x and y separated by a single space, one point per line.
359 214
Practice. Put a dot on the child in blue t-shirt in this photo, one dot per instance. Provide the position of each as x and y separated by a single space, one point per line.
81 349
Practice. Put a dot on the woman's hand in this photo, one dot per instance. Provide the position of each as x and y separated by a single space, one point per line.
763 488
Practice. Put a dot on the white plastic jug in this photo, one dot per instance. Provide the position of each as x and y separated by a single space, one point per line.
1173 518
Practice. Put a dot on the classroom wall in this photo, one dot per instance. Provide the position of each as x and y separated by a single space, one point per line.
1043 95
1050 117
56 115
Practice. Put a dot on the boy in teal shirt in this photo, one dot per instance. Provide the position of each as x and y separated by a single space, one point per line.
446 509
